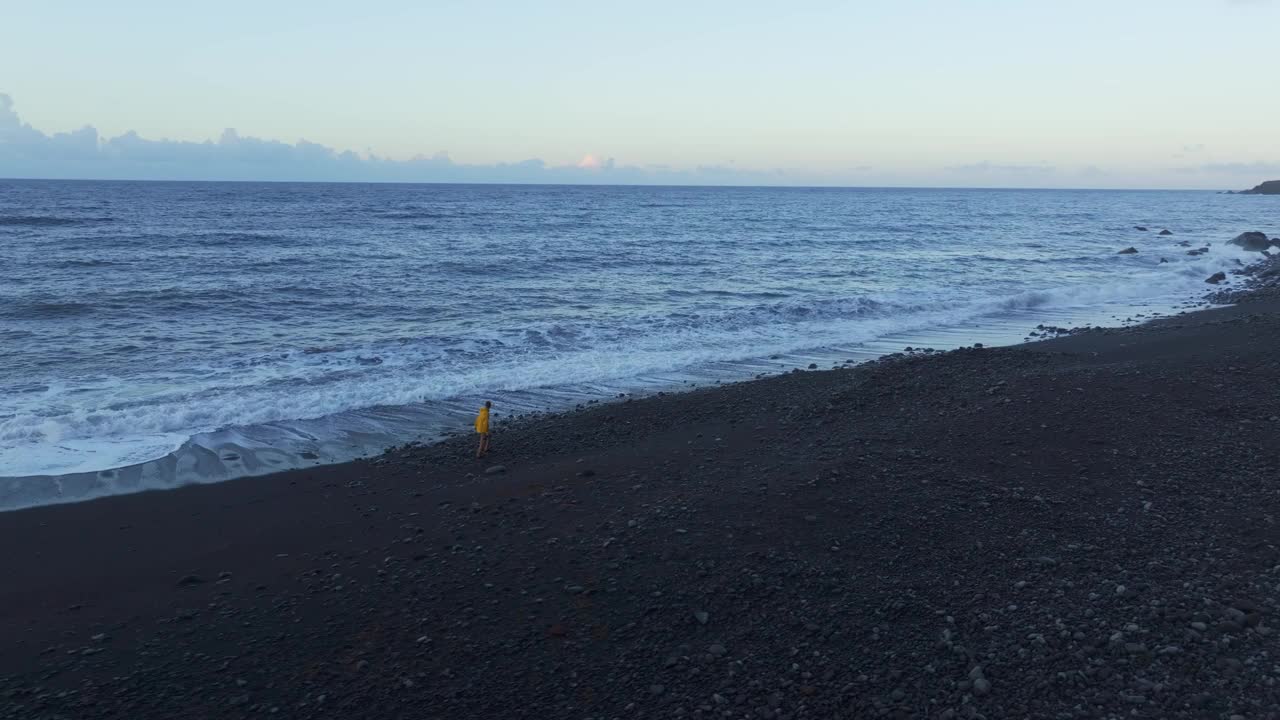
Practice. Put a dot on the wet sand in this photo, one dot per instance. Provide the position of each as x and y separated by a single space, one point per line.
1081 527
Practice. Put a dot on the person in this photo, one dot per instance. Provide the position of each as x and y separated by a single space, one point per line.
482 428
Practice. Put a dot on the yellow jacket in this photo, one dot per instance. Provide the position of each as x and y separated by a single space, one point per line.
482 421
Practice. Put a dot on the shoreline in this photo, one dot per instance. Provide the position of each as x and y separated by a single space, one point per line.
1080 526
213 461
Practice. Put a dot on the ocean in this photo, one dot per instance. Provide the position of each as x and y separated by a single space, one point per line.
158 334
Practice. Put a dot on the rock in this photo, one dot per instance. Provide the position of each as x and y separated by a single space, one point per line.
1198 251
188 580
1140 228
586 473
1246 606
1216 278
981 686
702 617
495 470
813 366
1270 187
657 689
1128 251
1165 232
718 650
1251 241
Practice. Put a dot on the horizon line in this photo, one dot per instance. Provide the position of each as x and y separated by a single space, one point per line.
622 185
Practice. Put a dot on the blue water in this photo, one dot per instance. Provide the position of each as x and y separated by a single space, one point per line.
183 332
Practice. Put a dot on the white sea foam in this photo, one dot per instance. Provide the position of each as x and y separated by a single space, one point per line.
79 428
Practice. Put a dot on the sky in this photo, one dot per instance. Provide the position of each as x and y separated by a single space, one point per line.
985 93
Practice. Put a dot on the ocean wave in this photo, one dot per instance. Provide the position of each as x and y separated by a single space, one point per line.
92 263
41 310
415 215
48 220
727 294
238 239
326 381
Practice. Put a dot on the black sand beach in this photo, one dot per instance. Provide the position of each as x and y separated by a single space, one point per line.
1081 527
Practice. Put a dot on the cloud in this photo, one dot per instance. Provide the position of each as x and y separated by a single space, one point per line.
1250 169
989 167
591 162
8 118
26 152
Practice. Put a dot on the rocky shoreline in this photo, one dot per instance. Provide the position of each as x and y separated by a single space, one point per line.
1083 527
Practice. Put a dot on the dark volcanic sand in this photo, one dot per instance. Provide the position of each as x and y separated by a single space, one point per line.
1083 527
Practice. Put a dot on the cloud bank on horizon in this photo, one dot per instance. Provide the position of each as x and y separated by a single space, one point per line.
26 152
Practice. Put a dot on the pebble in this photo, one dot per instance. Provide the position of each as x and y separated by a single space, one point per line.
718 650
494 470
701 617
